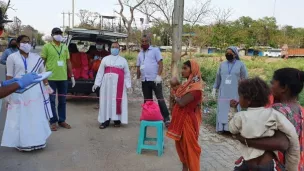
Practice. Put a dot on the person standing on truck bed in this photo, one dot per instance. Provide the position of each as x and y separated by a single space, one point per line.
114 79
149 68
57 59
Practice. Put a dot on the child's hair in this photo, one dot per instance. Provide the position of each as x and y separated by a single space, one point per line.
255 90
291 78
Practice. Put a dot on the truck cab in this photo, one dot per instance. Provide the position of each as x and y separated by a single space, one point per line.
86 38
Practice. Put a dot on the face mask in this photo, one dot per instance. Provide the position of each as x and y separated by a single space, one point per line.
229 57
14 46
145 47
82 48
99 47
96 57
25 47
58 38
114 51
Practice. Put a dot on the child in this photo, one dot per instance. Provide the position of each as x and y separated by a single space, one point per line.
258 122
174 83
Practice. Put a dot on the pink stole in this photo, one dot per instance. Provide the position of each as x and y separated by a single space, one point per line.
120 85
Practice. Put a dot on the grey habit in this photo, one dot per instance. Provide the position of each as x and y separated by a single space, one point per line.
227 79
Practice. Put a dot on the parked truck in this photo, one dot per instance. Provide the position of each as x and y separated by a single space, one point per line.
292 52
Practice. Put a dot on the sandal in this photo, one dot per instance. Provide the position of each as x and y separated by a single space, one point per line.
103 126
64 125
54 127
117 124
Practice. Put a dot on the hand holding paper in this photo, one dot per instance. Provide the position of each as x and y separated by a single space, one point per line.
28 79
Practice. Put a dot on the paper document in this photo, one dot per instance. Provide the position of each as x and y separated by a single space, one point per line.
43 75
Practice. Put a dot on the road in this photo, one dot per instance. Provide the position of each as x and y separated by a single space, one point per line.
87 148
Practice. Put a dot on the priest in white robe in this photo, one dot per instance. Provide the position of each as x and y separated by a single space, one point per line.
114 79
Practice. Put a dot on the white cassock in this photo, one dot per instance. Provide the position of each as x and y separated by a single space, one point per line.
26 126
114 78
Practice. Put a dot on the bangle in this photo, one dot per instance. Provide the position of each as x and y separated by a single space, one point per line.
246 142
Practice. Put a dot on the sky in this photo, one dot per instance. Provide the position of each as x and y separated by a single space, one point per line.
46 14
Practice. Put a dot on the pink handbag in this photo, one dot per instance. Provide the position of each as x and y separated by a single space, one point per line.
151 112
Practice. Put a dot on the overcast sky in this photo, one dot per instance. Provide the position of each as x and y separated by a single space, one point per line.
46 14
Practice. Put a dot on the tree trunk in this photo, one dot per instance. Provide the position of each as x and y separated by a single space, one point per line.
129 32
177 39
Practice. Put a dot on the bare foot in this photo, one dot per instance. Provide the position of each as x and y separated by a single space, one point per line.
185 168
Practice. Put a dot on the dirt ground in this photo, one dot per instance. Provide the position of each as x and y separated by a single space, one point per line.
87 148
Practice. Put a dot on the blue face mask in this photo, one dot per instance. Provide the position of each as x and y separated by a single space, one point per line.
114 51
96 57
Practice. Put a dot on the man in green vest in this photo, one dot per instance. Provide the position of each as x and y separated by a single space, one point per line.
57 59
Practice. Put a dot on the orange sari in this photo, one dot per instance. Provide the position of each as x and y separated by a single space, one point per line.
184 127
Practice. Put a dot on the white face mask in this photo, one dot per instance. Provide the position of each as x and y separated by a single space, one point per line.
58 38
25 47
99 47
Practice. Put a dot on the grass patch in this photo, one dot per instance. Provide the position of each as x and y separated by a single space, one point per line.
262 67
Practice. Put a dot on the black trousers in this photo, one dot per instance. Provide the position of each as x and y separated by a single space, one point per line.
148 87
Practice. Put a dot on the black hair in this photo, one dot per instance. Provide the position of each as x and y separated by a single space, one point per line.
115 42
10 42
255 90
291 78
188 63
92 48
147 37
21 37
73 48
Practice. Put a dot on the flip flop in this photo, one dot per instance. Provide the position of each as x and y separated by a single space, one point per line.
54 127
103 126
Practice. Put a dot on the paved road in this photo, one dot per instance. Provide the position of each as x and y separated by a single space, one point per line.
87 148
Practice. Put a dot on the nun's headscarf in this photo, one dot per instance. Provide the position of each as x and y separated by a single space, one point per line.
235 51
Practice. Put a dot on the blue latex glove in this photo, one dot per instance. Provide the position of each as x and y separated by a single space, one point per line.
96 57
9 82
28 79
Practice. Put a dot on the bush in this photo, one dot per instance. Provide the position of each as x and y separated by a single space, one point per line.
211 119
208 55
130 56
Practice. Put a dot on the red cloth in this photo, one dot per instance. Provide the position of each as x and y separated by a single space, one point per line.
84 65
75 60
194 83
120 85
80 64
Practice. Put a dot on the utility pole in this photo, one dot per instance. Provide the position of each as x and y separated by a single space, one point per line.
69 19
178 16
63 26
73 13
100 25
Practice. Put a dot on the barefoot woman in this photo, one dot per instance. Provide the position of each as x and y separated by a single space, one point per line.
187 116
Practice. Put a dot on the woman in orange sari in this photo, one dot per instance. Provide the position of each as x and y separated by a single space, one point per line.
187 117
